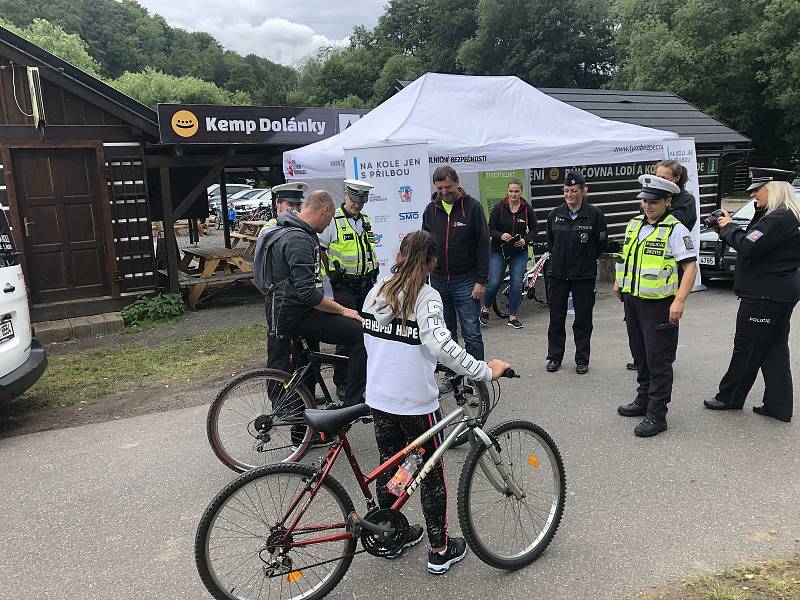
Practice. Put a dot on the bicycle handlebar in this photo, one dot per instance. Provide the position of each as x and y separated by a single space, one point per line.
509 373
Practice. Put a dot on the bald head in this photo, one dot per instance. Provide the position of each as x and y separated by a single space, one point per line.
318 209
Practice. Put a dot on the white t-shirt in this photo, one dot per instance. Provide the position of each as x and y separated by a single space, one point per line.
680 243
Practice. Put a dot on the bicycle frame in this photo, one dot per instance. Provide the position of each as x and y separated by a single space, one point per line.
314 360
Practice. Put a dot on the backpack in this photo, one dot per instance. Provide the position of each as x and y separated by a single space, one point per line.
262 264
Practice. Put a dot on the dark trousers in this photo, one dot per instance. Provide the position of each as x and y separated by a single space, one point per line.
393 433
350 298
284 355
653 341
761 342
318 326
583 301
459 306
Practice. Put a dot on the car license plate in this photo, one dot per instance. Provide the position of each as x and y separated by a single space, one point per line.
708 260
6 331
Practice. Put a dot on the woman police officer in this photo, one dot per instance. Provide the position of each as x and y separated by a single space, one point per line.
767 282
657 246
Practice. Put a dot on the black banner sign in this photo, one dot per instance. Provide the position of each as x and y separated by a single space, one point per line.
707 165
209 124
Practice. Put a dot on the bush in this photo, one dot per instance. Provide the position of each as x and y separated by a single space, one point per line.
154 309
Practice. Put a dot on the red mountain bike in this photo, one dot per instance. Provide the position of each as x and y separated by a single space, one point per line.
290 531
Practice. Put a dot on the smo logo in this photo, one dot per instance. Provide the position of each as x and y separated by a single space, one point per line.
409 216
378 239
406 192
185 123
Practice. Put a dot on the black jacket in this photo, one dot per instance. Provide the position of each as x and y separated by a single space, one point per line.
683 209
294 261
575 245
462 238
502 220
768 256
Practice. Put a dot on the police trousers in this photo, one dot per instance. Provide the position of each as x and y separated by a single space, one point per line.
761 343
583 294
349 297
653 340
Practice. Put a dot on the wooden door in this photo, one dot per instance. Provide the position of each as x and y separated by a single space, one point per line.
58 199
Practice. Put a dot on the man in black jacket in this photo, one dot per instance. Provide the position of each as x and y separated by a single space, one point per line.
576 237
287 269
458 223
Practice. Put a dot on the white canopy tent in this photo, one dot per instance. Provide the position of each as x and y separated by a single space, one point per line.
481 124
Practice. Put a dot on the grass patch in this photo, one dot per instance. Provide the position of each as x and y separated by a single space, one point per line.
769 580
72 378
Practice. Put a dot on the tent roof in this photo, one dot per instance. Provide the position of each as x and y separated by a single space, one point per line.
484 123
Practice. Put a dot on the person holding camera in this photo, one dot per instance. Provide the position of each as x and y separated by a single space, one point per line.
512 228
767 282
650 283
576 237
349 259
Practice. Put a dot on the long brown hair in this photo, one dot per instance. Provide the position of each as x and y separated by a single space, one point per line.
677 169
409 273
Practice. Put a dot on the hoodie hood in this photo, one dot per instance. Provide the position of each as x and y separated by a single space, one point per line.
292 219
379 307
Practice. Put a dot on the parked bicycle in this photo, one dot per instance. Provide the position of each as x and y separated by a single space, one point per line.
290 531
500 305
256 419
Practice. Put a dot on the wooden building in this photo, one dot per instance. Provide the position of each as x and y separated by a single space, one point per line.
77 191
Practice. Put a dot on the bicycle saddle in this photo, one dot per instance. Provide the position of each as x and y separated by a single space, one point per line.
331 422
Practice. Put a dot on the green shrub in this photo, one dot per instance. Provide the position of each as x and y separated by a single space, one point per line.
154 309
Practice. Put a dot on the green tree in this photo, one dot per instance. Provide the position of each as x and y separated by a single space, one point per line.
151 87
401 67
66 46
565 43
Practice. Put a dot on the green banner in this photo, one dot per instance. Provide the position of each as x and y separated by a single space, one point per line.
494 184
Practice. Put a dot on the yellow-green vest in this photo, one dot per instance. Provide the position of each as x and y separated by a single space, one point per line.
646 269
355 254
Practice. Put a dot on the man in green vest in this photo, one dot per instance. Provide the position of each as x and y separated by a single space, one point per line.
654 276
348 256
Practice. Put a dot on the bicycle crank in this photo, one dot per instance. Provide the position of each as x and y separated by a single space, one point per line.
383 531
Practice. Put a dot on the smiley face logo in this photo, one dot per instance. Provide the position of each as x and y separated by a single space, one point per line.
184 123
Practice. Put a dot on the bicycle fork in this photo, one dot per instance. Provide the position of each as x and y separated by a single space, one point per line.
504 484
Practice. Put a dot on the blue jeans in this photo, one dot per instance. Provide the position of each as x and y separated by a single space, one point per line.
497 270
457 299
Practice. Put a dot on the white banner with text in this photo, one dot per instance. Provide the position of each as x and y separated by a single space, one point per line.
683 150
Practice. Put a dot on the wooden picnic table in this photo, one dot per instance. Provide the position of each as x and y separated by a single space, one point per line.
248 231
215 266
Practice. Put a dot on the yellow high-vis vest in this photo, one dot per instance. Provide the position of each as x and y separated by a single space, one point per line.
646 269
354 253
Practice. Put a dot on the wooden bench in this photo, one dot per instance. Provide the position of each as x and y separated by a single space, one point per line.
196 284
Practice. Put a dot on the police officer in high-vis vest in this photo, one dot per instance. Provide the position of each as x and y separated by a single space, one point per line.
654 275
286 196
348 256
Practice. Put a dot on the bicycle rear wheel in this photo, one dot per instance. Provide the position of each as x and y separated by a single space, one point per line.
500 304
243 549
255 421
502 531
477 394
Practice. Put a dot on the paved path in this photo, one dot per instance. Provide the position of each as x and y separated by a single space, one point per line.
110 510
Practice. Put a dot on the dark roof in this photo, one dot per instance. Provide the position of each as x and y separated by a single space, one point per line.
42 58
660 110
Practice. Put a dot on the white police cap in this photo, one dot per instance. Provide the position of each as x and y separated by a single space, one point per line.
290 192
654 187
357 190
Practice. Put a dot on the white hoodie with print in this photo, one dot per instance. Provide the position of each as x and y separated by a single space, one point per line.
402 355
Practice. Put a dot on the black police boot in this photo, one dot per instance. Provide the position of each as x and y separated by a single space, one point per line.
632 410
714 404
650 427
553 366
581 369
762 410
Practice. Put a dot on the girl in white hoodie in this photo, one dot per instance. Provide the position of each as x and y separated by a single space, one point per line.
405 336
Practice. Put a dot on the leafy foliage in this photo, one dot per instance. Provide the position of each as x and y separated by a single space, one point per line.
151 87
154 309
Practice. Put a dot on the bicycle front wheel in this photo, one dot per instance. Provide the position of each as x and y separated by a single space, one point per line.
246 547
255 421
501 530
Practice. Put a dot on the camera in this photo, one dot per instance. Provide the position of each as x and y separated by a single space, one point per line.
711 220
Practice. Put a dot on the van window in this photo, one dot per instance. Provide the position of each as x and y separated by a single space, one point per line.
8 251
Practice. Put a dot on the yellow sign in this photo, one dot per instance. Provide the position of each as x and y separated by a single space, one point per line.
185 123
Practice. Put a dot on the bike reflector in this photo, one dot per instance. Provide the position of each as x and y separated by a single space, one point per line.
533 461
294 576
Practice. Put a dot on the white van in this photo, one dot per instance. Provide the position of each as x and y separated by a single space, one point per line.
22 358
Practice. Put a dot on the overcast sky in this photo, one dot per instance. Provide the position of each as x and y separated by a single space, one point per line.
284 31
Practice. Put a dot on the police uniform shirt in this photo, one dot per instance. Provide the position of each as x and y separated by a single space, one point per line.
330 235
680 243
